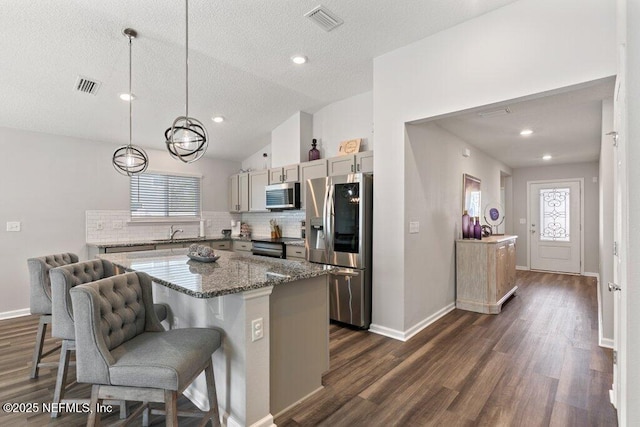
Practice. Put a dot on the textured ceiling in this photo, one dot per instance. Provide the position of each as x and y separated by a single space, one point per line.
566 125
239 62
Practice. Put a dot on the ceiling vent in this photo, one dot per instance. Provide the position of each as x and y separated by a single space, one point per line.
324 18
87 85
495 113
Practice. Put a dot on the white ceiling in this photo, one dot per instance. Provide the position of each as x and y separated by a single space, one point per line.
239 62
565 125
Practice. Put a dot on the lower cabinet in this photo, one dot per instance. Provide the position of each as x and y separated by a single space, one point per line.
296 252
485 273
242 245
220 245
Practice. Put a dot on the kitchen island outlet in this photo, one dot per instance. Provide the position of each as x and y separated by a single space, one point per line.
259 373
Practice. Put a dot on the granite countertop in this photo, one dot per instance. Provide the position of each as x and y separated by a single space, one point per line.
234 272
158 241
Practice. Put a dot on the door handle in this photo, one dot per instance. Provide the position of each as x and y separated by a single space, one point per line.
351 168
614 287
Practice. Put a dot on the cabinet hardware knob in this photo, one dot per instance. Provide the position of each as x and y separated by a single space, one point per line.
358 167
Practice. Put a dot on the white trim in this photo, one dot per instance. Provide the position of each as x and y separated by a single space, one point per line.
592 274
605 343
257 293
602 341
406 335
545 181
14 313
298 401
522 267
267 421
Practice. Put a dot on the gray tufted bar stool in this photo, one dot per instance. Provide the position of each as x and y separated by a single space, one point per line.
123 350
63 279
40 301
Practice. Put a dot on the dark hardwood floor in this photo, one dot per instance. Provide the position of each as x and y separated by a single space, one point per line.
535 364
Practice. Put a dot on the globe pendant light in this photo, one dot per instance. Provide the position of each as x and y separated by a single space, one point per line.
187 138
129 159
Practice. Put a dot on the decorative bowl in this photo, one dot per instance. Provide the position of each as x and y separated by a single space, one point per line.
199 258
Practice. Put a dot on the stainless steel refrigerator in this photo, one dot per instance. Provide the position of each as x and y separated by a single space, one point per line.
339 212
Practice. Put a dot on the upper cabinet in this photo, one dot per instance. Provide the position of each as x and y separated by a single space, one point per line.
239 192
358 163
310 170
284 174
258 180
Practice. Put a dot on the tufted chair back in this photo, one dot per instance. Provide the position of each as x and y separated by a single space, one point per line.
62 280
40 288
108 313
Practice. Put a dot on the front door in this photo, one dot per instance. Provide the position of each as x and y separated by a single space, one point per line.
555 229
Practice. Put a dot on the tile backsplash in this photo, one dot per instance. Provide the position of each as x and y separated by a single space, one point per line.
111 226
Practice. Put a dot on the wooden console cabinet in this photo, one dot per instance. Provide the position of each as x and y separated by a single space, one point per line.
485 273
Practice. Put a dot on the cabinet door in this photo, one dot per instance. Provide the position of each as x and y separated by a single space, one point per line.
275 175
511 265
234 201
291 173
243 192
341 165
364 162
501 272
257 182
310 170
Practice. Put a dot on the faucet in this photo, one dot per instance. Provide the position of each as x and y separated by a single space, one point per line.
173 232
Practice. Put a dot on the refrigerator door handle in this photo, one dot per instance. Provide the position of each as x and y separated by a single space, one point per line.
329 217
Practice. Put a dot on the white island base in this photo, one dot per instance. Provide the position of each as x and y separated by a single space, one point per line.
258 379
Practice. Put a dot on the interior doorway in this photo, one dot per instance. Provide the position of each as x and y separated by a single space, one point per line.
555 218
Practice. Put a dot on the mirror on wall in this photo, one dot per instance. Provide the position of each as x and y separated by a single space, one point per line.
471 195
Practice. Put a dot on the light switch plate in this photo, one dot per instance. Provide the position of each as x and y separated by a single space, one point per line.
13 225
523 220
414 227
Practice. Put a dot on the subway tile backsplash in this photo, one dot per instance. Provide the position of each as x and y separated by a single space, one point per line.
114 226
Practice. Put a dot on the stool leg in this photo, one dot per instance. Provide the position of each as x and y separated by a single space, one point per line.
37 353
94 416
213 396
63 368
171 408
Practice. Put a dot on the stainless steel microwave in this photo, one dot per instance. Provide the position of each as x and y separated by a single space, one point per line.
283 196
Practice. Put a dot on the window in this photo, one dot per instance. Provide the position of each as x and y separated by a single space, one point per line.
156 195
554 214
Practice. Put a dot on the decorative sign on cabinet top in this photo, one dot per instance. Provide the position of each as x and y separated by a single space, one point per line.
351 146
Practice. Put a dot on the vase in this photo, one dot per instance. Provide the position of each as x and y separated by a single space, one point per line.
314 153
465 225
477 229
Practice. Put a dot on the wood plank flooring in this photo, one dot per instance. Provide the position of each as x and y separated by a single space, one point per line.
535 364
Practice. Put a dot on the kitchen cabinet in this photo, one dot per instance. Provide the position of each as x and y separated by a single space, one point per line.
220 245
296 252
242 245
257 198
351 163
485 273
285 174
239 192
310 170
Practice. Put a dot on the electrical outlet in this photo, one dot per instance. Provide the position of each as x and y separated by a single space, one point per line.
13 226
117 225
414 227
99 225
257 332
523 221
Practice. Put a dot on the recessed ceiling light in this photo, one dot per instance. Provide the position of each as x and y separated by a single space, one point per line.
218 119
546 157
127 96
526 132
299 59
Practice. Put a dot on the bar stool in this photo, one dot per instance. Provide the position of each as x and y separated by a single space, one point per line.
40 301
123 350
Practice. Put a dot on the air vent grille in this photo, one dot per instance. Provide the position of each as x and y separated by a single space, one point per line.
87 85
324 18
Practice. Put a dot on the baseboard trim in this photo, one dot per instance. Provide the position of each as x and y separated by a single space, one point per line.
265 422
298 401
406 335
591 274
15 313
522 268
605 342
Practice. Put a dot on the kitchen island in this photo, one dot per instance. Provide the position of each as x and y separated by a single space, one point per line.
274 318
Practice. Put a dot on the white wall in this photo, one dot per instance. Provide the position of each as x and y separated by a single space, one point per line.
527 47
291 141
256 161
343 120
587 171
48 182
434 166
606 224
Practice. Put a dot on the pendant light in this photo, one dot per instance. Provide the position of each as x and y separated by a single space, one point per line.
129 159
187 138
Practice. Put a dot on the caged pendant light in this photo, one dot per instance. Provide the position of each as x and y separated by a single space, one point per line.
129 159
187 138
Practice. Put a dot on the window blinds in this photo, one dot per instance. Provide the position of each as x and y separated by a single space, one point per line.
154 195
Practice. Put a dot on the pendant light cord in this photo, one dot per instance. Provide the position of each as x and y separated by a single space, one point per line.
130 95
186 61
